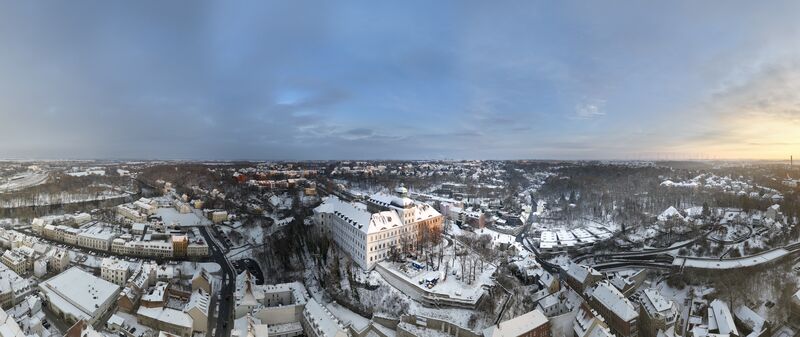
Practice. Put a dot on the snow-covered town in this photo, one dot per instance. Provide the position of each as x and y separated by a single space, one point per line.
423 248
285 168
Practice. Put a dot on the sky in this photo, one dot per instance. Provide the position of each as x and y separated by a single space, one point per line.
319 80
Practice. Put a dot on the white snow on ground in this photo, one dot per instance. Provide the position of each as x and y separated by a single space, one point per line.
189 268
448 285
23 181
497 237
170 215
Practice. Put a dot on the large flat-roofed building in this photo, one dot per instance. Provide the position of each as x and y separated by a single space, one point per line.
368 232
76 295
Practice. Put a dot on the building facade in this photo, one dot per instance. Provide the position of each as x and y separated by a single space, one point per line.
370 232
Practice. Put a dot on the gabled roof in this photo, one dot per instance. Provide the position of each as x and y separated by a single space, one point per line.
608 296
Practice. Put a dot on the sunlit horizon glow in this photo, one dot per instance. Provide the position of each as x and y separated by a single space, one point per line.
418 80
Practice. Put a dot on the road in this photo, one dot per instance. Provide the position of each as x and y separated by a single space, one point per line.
225 317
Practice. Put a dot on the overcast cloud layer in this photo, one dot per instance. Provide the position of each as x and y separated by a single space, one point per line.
413 80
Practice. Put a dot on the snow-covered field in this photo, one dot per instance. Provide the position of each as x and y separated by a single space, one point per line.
23 181
170 215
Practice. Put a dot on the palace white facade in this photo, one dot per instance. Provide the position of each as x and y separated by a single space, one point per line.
369 231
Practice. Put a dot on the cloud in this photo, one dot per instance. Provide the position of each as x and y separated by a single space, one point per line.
590 110
756 114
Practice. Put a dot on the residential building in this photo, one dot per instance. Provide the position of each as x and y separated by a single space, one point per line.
751 323
656 312
156 296
590 324
13 288
249 326
130 213
197 308
115 270
180 245
201 280
531 324
279 305
319 322
166 319
619 313
98 238
16 261
720 319
581 277
219 216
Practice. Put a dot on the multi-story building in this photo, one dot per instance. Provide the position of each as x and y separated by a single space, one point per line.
142 248
128 212
581 277
219 216
279 305
319 322
720 320
96 238
620 314
201 280
197 308
180 245
57 260
166 319
589 324
656 313
370 232
197 248
15 260
114 270
13 288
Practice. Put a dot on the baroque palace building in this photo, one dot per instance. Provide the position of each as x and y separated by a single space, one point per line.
368 231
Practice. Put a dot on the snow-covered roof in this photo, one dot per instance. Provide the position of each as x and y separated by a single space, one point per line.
720 318
579 272
751 319
199 300
78 292
670 213
111 263
168 315
608 296
321 320
357 215
517 326
655 303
